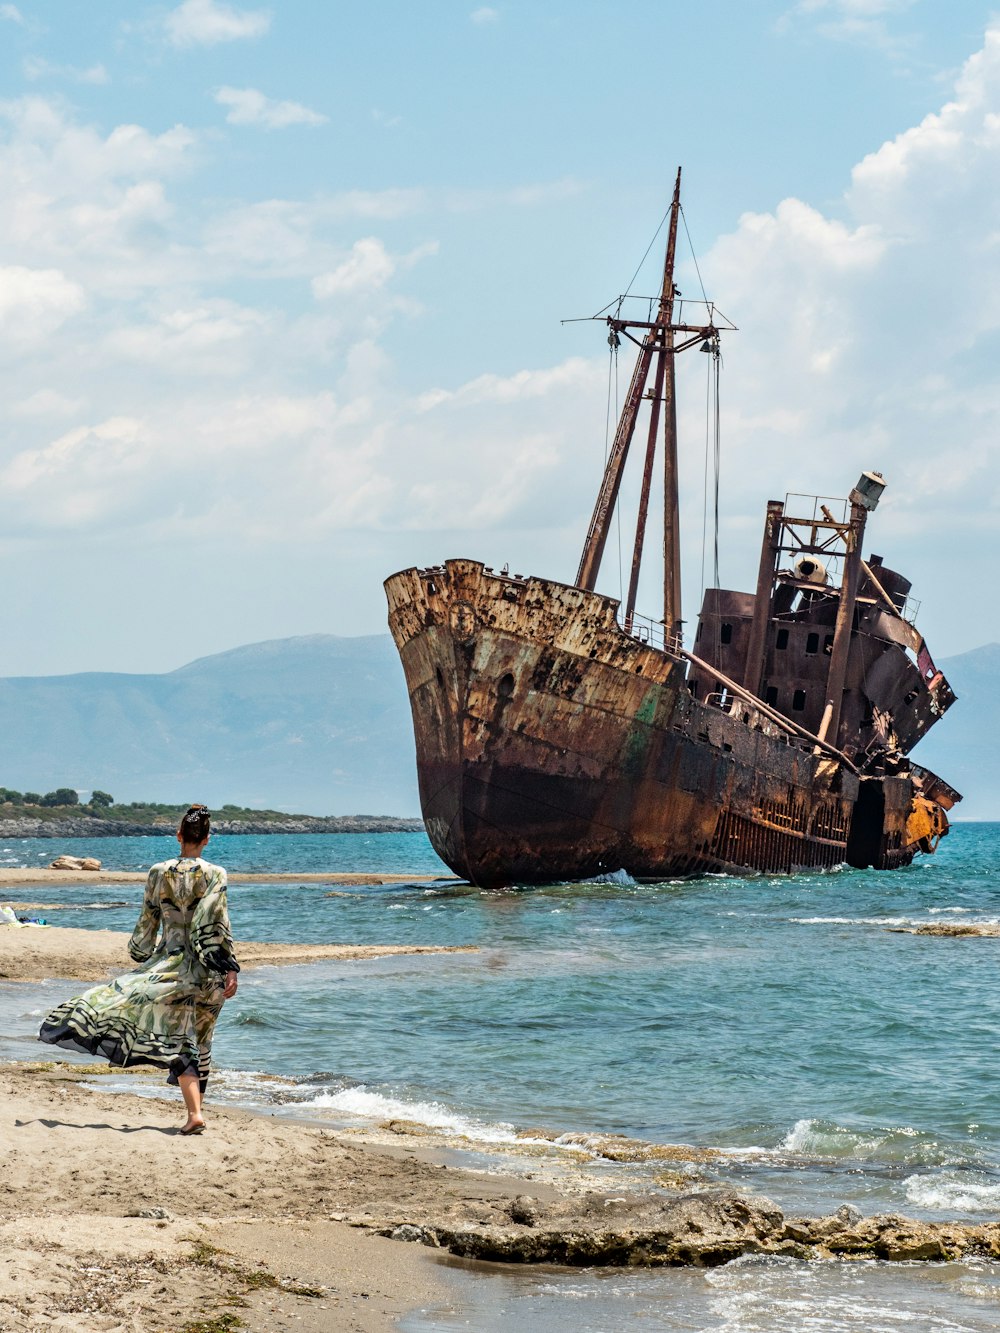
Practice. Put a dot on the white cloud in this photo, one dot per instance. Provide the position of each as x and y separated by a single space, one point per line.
37 68
247 106
48 403
34 302
368 266
214 338
862 22
206 22
484 15
11 14
855 8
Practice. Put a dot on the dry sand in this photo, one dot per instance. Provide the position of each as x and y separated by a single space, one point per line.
110 1220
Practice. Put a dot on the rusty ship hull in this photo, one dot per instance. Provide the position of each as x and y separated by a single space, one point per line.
552 745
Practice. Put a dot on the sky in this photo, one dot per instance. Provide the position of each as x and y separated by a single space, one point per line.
282 292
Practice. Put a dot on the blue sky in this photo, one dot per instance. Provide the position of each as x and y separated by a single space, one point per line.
281 291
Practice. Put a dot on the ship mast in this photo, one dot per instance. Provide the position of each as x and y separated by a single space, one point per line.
657 343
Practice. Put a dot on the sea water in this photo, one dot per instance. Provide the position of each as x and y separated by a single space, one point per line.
795 1023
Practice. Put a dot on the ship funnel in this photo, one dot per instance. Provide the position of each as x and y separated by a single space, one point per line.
809 570
869 490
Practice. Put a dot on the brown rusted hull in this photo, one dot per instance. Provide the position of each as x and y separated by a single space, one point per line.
553 746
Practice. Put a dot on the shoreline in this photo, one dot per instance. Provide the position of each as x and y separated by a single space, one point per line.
293 1217
536 1200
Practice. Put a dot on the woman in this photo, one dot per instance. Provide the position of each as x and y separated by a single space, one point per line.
164 1013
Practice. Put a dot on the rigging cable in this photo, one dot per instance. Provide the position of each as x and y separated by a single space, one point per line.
648 248
694 257
613 376
618 503
717 361
712 425
704 493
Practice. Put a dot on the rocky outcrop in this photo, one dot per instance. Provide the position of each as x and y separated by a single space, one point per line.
989 929
701 1229
75 863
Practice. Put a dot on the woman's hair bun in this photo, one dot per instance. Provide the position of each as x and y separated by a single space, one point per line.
196 823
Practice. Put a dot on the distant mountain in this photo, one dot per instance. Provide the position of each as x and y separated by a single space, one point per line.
964 747
316 724
321 725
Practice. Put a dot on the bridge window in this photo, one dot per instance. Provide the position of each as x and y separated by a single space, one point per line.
781 642
812 645
726 634
798 701
771 695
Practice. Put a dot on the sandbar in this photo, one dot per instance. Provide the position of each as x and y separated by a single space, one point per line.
35 953
12 876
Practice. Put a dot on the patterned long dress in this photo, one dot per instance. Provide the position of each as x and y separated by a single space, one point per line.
164 1012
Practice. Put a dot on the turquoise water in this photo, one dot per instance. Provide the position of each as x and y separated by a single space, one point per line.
783 1020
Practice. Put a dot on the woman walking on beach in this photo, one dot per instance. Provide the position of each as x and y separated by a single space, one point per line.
164 1013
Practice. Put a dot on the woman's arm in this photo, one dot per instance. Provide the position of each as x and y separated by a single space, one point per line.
211 937
143 940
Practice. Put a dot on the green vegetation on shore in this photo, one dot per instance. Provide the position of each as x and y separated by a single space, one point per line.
64 804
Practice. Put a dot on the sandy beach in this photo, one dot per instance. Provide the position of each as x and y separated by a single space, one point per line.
109 1220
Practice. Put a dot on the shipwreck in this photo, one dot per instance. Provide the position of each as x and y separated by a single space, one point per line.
561 736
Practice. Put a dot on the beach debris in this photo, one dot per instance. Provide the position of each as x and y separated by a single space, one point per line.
157 1214
65 862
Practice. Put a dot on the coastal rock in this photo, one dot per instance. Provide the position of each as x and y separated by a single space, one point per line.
621 1148
75 863
985 929
407 1232
698 1229
702 1230
524 1210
